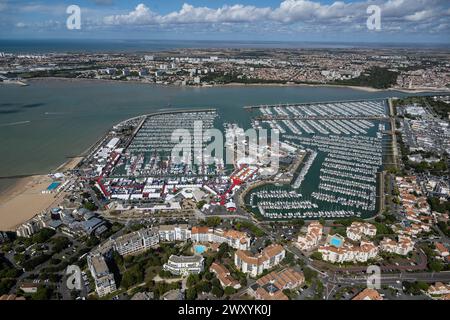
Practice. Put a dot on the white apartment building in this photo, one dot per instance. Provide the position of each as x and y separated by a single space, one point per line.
359 229
312 237
174 232
103 278
349 253
136 242
184 265
404 245
256 264
235 239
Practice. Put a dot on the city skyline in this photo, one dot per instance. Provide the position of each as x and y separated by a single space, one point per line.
241 20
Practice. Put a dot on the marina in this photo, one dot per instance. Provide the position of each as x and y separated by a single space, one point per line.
343 156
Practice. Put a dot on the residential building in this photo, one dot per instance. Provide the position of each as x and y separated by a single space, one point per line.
441 249
349 252
271 286
136 242
256 264
235 239
224 276
184 265
368 294
174 232
103 278
359 229
29 228
439 289
404 245
312 237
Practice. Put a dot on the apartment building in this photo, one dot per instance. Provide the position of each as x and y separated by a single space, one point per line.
271 286
312 237
174 232
103 278
403 246
438 289
349 252
184 265
235 239
136 242
368 294
256 264
224 276
359 229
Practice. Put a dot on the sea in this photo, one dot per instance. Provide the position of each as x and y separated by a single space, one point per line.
40 46
48 122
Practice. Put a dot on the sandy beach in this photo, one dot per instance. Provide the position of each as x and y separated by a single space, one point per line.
24 200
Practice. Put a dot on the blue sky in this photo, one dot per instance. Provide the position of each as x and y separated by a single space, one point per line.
285 20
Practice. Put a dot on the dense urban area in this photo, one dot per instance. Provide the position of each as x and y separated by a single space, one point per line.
380 69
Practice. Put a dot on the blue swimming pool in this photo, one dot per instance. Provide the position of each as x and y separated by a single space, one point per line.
336 242
199 249
53 186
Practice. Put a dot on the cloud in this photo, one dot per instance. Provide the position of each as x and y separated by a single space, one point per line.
289 17
288 12
420 15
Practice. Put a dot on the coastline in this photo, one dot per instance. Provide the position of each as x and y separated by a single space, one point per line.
237 84
23 198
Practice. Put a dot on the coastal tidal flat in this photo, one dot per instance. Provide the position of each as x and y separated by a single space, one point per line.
23 200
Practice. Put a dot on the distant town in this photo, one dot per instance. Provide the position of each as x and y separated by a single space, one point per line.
400 69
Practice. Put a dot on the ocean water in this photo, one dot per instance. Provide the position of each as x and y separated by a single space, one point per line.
45 123
139 45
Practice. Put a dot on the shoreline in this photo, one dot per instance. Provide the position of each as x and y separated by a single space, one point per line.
23 199
237 84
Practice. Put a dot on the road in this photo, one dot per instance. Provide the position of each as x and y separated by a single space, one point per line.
430 277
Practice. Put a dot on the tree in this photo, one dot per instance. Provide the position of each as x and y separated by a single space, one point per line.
90 206
43 235
213 222
229 291
203 286
309 274
316 256
436 266
217 291
289 258
191 293
42 293
132 277
192 280
223 249
200 204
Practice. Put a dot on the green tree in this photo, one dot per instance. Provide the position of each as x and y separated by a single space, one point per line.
229 291
192 280
191 293
217 291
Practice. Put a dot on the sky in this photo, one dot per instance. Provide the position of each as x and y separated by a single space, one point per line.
402 21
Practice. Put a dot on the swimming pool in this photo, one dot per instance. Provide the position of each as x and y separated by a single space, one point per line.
199 249
336 242
53 186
